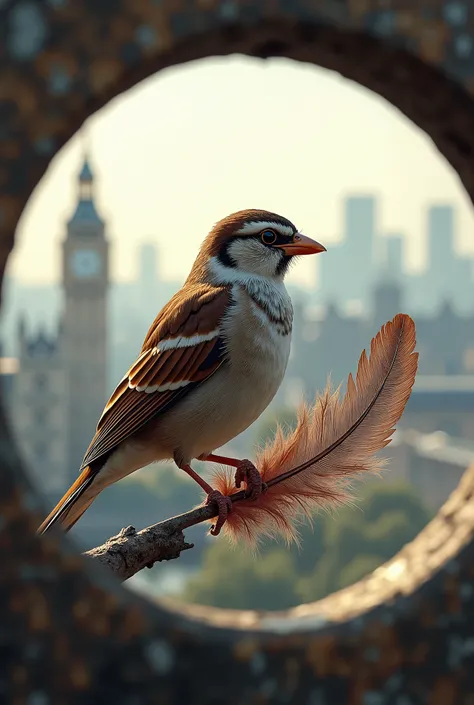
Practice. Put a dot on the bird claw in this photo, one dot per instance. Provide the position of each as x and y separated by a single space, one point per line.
248 473
224 506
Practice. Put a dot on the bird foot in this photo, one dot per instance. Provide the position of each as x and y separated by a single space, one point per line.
224 506
248 473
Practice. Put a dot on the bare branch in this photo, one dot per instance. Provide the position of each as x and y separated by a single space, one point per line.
131 551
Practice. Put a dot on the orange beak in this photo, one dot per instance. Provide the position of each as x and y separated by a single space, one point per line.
302 245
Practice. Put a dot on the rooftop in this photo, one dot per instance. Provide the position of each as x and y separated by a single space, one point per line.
86 213
444 383
437 446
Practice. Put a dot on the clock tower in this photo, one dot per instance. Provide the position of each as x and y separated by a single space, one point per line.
85 279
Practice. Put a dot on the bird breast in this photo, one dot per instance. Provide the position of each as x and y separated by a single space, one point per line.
257 332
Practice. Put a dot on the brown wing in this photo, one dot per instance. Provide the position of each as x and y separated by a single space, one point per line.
182 348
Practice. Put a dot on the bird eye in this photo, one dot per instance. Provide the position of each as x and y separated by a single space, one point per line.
268 237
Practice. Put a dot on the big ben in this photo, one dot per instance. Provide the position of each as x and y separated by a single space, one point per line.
85 276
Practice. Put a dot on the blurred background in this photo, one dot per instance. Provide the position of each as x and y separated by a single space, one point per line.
111 233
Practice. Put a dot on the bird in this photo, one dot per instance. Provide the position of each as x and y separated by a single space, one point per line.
210 364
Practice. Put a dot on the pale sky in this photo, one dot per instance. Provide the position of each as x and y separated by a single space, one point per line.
192 144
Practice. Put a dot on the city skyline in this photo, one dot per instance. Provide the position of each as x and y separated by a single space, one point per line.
64 375
355 265
150 189
349 289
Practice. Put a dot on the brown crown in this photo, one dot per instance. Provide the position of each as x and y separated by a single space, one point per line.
225 229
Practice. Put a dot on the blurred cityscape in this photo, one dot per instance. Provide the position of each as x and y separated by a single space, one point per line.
65 346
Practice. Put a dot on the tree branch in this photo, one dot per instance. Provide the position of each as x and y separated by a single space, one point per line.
131 551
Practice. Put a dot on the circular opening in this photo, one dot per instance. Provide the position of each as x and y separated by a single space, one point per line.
347 165
398 77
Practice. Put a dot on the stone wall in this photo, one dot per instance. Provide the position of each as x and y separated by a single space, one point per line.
69 633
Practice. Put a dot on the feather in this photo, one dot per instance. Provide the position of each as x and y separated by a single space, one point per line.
72 506
334 442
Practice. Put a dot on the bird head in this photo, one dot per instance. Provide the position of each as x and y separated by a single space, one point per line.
254 243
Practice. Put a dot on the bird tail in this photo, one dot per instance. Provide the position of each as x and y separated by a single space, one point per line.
72 506
334 442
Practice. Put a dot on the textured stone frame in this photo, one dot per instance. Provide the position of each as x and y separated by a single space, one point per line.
71 634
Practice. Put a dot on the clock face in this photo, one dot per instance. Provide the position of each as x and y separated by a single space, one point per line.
85 263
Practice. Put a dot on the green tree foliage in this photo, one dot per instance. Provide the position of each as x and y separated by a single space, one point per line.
321 580
340 548
236 578
380 497
358 568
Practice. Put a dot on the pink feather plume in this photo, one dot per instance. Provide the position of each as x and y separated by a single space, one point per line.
334 442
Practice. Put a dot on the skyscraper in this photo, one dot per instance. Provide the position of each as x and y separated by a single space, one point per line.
347 272
440 238
359 245
360 225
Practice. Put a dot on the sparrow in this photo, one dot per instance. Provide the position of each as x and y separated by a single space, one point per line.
211 362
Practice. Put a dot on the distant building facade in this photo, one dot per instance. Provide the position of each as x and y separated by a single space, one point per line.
8 372
64 378
332 342
442 403
433 463
39 407
61 385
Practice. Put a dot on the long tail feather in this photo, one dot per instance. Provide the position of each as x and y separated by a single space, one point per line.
334 441
72 506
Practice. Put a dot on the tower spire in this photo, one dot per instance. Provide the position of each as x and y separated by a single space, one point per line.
86 176
85 213
86 181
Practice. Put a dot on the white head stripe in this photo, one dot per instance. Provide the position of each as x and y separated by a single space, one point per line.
255 226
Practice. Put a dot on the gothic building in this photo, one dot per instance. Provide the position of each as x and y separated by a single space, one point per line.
61 387
38 400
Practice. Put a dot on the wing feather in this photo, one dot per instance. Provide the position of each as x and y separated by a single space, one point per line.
182 348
